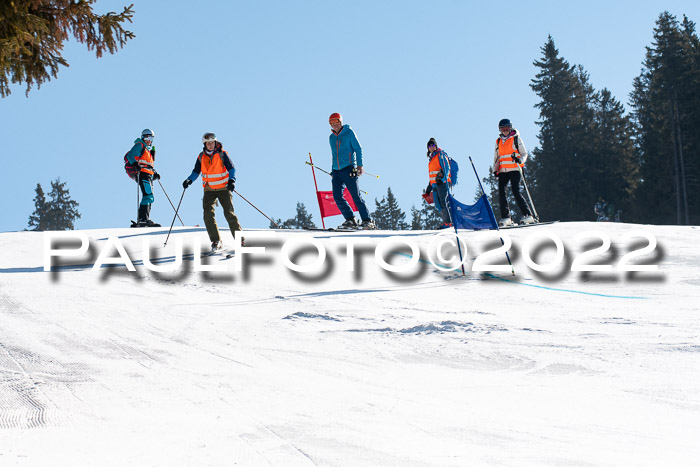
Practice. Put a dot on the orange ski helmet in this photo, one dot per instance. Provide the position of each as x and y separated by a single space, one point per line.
336 116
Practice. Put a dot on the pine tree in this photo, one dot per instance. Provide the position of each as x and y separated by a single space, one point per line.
665 100
302 220
38 219
549 162
416 223
62 210
59 213
397 218
388 215
33 32
612 169
573 164
430 218
380 215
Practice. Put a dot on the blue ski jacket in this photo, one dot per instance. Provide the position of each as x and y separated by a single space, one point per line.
346 149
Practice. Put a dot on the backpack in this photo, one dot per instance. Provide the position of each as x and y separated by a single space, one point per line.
133 170
454 170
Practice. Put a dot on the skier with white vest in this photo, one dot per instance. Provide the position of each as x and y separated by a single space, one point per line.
509 158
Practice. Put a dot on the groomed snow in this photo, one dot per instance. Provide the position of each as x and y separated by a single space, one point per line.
116 368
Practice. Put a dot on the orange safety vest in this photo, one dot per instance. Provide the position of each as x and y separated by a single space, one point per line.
506 149
214 172
434 167
146 160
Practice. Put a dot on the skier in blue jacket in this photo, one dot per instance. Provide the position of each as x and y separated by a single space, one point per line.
347 166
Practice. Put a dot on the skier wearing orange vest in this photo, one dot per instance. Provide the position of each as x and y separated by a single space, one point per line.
509 157
440 178
218 180
142 157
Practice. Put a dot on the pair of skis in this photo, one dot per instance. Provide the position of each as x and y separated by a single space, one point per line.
338 229
517 226
223 253
220 252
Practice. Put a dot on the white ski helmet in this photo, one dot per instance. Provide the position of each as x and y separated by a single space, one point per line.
209 137
147 134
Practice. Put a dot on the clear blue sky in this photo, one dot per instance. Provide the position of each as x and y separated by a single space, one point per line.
265 75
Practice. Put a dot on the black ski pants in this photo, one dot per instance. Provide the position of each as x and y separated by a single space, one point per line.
514 179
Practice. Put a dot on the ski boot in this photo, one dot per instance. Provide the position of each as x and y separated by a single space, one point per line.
349 224
505 222
368 224
144 217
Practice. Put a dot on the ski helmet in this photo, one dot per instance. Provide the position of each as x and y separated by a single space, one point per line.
336 116
147 134
505 123
208 137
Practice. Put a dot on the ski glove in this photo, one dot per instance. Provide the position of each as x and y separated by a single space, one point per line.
186 183
156 176
429 189
516 159
231 184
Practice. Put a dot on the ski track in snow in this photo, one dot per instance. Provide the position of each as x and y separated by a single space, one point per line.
111 367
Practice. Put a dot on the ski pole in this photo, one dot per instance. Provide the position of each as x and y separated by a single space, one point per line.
532 205
313 173
367 173
512 270
138 200
256 208
328 173
317 167
449 199
171 203
173 222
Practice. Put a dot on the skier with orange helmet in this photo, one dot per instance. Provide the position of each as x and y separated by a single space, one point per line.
347 167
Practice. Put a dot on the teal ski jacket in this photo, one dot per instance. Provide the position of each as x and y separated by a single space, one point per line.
346 148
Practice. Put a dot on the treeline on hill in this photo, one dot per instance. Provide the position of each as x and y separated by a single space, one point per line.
644 162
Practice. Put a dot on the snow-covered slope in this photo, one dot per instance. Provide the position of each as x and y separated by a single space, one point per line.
364 367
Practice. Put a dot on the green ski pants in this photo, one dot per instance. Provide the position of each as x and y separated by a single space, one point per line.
209 203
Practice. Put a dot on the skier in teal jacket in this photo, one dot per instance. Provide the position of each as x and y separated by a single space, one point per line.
347 167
